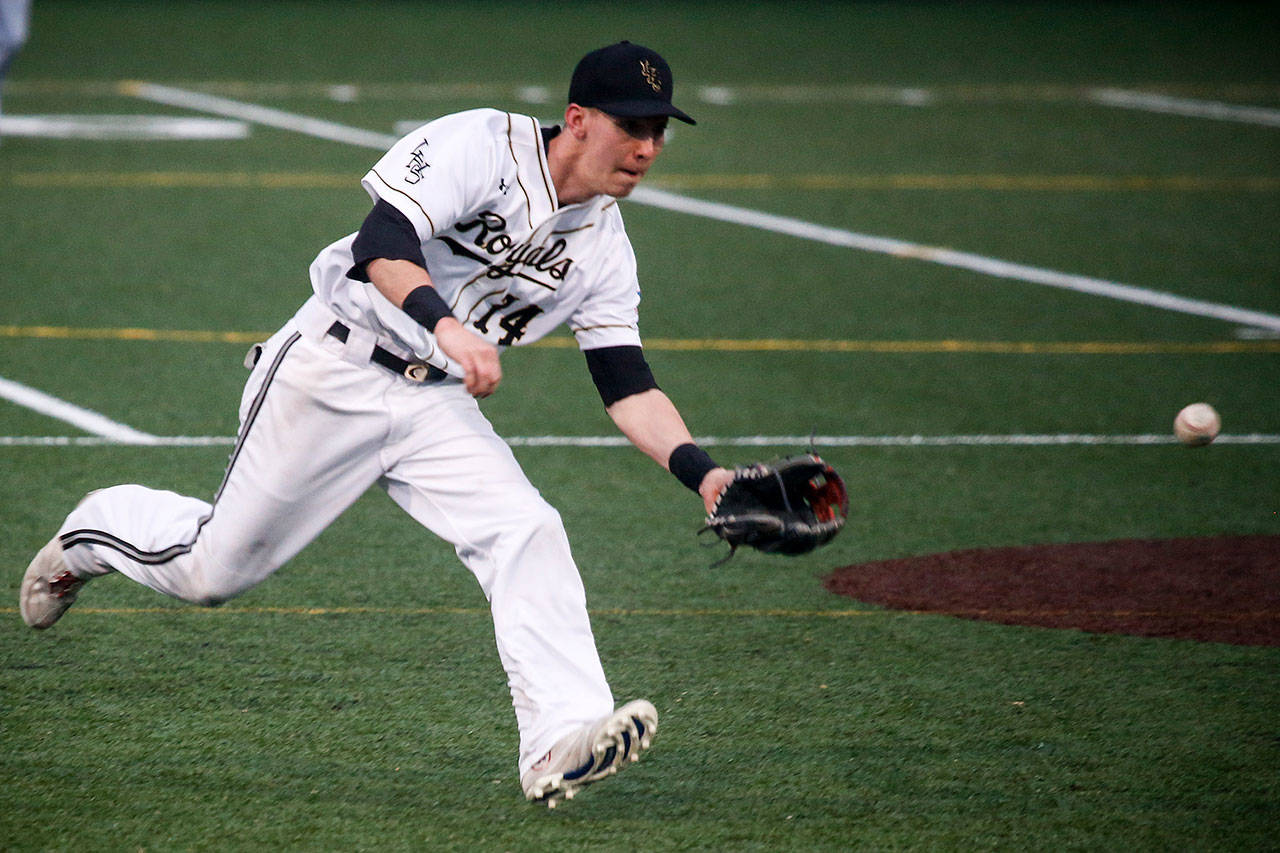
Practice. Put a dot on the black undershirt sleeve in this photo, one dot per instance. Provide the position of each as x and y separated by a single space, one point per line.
386 233
619 372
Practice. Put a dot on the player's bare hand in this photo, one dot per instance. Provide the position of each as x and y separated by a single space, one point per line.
715 482
477 357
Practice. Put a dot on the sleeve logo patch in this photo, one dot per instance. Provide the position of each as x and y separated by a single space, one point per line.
417 163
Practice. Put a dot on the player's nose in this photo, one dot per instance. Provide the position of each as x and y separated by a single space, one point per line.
646 148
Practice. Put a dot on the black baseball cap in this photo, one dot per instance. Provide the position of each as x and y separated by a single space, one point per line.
625 79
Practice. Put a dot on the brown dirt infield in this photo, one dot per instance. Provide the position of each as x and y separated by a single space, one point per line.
1224 589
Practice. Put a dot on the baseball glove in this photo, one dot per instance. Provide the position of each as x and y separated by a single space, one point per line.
787 506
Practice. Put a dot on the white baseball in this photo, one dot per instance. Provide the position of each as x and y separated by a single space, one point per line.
1197 424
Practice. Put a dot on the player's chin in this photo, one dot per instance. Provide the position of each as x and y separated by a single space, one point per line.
624 182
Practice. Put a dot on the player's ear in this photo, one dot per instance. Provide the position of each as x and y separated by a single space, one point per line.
575 120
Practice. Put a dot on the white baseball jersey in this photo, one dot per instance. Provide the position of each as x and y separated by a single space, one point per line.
510 261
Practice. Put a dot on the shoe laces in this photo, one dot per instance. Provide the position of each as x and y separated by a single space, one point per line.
64 583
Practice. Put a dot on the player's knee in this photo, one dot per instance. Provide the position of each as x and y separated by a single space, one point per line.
207 591
536 526
215 580
210 599
544 518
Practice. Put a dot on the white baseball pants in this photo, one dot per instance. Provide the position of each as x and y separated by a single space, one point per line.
318 426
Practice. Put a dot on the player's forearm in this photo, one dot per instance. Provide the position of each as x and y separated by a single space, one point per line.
396 279
408 286
651 422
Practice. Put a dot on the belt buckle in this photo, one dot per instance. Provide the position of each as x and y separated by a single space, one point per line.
416 371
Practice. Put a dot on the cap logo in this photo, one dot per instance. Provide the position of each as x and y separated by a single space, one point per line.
650 75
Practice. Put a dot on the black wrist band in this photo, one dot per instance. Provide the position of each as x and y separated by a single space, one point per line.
426 306
690 463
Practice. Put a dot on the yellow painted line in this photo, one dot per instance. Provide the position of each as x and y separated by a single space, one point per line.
960 346
127 334
465 611
845 182
172 180
724 344
681 612
998 183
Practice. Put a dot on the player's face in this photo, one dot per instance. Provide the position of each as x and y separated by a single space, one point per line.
620 150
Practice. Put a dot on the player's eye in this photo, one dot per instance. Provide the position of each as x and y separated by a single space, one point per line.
639 128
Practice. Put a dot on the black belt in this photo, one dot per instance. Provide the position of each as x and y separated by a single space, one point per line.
415 371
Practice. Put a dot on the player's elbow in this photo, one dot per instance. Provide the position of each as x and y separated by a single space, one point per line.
619 372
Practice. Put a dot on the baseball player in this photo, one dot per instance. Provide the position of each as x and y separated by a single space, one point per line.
487 231
15 24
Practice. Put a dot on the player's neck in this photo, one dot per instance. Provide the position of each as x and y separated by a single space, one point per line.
562 162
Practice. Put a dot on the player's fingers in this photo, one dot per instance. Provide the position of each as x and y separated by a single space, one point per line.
477 384
483 374
713 485
491 379
471 380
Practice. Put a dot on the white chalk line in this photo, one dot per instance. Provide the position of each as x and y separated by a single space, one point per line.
751 218
791 441
1191 107
132 127
952 258
267 116
103 428
709 92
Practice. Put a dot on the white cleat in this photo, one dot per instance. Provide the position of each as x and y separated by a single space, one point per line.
594 752
48 587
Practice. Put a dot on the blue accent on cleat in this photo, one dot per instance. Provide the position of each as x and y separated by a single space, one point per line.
581 771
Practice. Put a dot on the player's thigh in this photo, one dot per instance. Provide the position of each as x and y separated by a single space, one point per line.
311 429
460 479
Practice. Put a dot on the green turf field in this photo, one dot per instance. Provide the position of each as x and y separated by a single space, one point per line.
355 700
